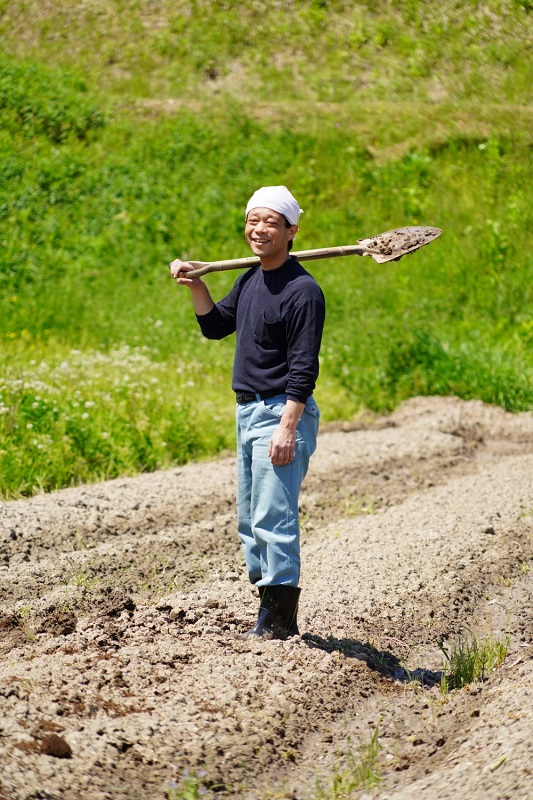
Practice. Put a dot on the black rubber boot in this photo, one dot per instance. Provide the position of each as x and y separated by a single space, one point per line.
293 628
277 613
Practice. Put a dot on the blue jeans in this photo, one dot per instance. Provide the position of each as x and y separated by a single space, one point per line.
267 495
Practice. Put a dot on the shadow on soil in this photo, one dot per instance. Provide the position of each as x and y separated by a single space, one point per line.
381 661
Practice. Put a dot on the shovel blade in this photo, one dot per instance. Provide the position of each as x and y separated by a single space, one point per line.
393 245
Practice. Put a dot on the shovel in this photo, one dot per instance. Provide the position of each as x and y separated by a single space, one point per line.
389 246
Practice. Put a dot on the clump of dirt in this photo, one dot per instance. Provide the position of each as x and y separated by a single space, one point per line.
55 621
123 673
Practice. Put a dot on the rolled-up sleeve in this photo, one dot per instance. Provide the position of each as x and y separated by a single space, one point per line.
221 321
216 324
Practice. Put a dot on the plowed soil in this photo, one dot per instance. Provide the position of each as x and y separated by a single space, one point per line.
121 667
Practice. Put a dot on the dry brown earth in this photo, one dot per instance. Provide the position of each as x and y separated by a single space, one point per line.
121 605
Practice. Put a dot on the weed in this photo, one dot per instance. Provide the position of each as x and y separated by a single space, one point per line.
25 612
30 684
414 681
358 506
188 788
360 772
25 616
504 580
304 519
470 659
83 579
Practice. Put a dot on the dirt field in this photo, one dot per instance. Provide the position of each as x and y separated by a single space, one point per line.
121 605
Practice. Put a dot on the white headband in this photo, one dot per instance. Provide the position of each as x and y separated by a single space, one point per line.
277 198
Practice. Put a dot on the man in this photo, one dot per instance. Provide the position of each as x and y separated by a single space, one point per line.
277 311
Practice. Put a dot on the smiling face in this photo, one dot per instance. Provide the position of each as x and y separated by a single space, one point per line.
268 236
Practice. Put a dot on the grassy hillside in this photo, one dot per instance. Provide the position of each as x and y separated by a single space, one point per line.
135 132
313 50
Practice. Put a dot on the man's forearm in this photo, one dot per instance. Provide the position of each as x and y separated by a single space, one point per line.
283 443
291 415
201 300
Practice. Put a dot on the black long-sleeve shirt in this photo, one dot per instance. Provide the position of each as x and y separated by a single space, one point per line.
278 316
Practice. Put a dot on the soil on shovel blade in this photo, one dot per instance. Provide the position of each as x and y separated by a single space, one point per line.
400 242
122 673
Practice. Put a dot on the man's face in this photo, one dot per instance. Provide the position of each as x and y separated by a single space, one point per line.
268 236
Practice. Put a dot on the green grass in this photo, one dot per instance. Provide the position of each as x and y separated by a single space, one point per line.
93 416
470 659
188 788
313 50
125 151
360 772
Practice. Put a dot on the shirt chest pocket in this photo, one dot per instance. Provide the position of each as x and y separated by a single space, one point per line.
269 332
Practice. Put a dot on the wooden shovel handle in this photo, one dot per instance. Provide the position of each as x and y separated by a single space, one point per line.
388 246
202 267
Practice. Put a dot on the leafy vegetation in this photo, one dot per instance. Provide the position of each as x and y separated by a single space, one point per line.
470 659
96 416
133 135
189 787
30 105
360 772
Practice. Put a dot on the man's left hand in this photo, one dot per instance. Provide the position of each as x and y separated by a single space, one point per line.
282 446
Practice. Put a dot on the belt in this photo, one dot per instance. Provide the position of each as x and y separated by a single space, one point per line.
251 397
